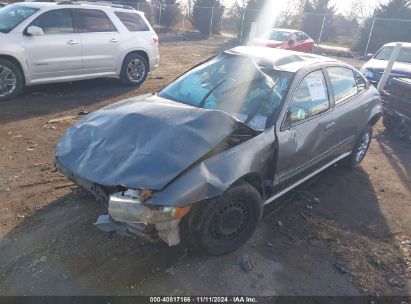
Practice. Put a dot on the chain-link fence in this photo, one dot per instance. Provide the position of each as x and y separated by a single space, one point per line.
337 33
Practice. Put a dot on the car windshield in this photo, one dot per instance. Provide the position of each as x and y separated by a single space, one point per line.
277 35
237 85
13 15
385 53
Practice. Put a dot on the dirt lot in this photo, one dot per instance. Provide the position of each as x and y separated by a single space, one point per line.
49 246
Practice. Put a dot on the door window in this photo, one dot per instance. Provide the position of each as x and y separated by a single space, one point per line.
310 99
133 22
343 83
55 22
361 82
92 21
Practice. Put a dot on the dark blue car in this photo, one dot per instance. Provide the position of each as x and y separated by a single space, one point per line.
374 68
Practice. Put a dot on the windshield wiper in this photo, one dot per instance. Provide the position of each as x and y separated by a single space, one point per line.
201 105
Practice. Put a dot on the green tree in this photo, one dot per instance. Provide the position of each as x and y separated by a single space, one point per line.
313 19
205 13
386 31
166 12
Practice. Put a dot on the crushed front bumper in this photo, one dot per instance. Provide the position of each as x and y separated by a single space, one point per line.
128 216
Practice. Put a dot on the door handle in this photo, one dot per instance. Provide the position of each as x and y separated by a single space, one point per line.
72 42
329 126
114 40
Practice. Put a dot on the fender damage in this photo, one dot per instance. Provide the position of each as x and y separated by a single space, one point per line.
150 159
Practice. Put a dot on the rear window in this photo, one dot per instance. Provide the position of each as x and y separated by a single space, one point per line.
343 82
133 22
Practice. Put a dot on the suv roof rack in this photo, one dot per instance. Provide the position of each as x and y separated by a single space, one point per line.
66 2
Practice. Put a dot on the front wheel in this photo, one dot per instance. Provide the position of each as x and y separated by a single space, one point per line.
223 225
11 80
360 149
134 70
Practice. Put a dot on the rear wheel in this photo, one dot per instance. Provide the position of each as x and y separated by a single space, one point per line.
223 225
134 70
360 149
11 80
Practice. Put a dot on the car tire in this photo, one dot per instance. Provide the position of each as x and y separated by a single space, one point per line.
360 149
11 80
134 70
221 226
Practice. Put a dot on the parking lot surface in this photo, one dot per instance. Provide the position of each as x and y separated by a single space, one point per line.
346 232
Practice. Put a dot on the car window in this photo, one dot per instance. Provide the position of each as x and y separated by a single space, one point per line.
241 86
303 36
133 22
310 99
279 36
55 22
11 16
343 83
361 82
385 54
92 21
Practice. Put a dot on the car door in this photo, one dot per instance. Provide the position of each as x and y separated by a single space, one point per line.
57 53
306 137
352 105
101 43
307 44
294 46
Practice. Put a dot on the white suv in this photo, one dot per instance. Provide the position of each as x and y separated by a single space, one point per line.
58 42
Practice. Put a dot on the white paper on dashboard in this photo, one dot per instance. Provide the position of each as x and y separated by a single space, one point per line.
317 90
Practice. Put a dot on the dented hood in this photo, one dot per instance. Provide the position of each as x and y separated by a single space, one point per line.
141 143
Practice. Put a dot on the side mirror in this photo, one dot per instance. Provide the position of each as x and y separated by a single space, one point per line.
369 56
34 31
291 42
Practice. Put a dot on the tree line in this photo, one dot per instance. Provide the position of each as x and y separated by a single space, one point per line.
387 21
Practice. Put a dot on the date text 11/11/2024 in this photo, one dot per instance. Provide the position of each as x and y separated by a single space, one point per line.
203 299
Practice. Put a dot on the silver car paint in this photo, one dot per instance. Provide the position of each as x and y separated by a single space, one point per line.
54 58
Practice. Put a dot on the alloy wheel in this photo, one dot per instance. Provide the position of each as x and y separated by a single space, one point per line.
136 70
363 147
8 81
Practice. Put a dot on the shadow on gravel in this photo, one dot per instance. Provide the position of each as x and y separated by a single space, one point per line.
398 153
40 100
58 251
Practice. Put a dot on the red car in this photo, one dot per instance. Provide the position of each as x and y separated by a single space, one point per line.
286 39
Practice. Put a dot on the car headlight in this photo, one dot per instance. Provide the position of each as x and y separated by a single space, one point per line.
367 73
129 208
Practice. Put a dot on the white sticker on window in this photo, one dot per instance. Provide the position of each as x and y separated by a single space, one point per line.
317 89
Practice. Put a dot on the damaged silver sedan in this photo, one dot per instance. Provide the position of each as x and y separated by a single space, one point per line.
202 157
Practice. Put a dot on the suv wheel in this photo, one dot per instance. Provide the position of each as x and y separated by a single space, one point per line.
360 149
134 70
11 80
221 226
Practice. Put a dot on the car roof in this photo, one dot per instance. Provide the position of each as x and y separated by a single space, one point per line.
80 4
404 44
284 60
286 30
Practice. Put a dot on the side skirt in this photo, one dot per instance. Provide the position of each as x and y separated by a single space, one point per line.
289 188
